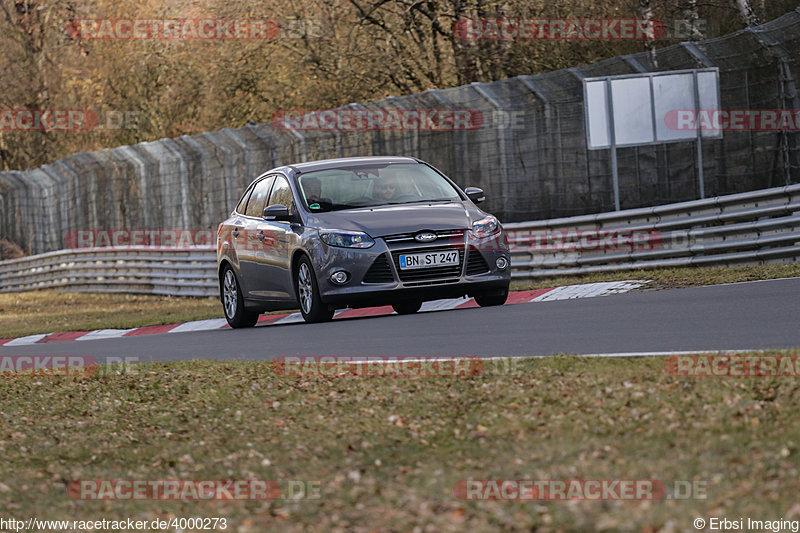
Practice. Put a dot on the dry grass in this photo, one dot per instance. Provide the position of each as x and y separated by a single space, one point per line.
387 452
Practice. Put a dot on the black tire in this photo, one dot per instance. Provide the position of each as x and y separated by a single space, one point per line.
406 308
490 299
230 293
305 283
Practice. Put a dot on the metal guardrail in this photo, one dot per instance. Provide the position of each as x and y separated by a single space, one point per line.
741 229
167 271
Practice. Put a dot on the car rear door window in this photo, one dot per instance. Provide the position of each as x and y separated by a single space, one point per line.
242 205
257 201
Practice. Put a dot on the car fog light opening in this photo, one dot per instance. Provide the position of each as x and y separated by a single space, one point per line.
502 263
340 277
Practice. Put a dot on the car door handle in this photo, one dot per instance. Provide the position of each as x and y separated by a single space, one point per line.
260 235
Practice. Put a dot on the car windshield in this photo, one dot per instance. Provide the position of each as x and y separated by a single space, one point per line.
372 186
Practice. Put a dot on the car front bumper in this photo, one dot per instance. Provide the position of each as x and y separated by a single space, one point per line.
374 276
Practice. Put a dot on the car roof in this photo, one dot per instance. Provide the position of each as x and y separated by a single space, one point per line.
326 164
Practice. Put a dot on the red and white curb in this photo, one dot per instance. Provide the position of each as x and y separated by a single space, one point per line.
586 290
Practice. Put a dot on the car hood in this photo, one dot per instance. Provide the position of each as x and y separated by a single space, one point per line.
394 219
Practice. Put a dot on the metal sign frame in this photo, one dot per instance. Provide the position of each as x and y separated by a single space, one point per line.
611 130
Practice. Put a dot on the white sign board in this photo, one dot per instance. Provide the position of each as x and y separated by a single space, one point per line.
650 108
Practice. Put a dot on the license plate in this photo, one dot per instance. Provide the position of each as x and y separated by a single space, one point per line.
428 259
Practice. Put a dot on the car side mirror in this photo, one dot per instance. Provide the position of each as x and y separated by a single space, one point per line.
277 212
475 194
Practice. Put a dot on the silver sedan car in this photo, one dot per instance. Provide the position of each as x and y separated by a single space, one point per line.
357 232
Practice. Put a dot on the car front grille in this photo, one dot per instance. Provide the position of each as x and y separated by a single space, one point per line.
425 274
447 236
476 264
379 272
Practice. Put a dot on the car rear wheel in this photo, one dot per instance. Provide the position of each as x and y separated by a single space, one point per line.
233 302
492 298
311 306
406 308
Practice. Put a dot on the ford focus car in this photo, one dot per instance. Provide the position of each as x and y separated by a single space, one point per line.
357 232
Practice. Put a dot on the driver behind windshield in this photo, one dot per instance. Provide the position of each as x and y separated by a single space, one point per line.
312 188
385 189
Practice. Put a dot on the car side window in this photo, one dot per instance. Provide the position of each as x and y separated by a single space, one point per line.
281 193
257 201
242 205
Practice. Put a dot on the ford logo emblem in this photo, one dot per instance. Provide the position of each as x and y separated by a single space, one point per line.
425 236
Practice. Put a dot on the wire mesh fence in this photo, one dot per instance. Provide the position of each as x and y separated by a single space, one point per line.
528 150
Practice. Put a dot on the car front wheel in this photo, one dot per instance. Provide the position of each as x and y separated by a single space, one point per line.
233 302
311 306
492 298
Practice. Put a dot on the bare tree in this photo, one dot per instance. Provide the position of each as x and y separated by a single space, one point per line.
747 12
31 40
647 13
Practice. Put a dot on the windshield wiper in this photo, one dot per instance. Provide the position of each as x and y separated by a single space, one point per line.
341 207
425 201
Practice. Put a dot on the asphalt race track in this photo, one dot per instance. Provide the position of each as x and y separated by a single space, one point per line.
755 315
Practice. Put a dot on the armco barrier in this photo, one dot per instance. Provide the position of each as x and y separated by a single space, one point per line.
174 272
740 229
748 228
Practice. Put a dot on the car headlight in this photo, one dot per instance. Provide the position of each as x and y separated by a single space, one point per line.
485 227
346 239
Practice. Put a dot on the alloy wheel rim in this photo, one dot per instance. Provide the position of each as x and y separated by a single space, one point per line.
304 288
229 294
